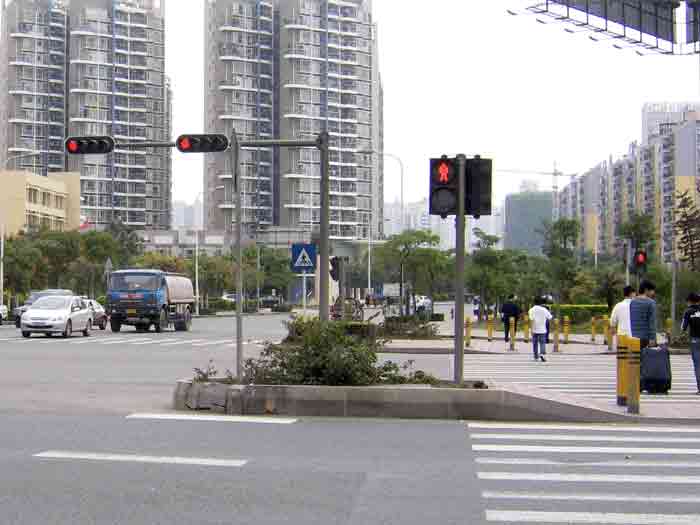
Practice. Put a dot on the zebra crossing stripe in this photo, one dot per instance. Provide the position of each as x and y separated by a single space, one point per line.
579 437
600 518
551 462
604 428
588 478
578 496
586 450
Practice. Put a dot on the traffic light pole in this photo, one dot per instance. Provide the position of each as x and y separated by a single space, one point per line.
459 280
322 143
234 150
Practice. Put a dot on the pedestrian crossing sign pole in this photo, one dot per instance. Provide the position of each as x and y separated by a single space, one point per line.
303 261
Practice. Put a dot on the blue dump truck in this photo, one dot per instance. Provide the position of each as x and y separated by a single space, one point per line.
142 298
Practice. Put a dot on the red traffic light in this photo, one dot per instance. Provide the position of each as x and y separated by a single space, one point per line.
209 143
444 173
89 145
640 258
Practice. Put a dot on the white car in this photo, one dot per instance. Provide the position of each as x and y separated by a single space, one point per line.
57 315
4 313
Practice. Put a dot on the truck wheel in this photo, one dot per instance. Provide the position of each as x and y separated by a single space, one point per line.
162 323
116 326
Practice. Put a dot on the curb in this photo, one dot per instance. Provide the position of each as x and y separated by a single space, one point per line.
496 403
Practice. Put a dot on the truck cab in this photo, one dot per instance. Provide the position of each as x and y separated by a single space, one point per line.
142 298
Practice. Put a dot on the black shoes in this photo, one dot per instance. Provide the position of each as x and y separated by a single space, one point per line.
543 359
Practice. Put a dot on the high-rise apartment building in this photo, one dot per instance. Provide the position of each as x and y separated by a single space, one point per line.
90 67
580 199
659 117
292 69
525 214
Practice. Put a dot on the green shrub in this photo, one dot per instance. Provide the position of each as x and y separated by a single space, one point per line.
316 353
221 305
682 340
580 313
102 300
412 327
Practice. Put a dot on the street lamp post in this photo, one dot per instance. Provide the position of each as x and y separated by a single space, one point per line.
196 258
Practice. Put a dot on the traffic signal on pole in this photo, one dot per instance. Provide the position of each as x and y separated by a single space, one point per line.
640 261
89 145
335 268
478 190
443 187
210 143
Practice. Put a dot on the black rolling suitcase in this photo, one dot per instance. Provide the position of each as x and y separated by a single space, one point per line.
655 370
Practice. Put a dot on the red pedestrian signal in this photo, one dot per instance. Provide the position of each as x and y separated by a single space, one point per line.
210 143
443 187
89 145
640 260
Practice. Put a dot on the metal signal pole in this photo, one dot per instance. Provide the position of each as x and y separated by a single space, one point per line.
459 280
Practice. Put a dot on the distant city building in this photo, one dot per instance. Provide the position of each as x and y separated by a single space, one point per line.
89 67
659 117
187 216
525 214
292 69
490 224
580 199
29 201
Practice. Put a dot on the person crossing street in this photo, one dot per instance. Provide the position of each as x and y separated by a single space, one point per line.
539 316
691 323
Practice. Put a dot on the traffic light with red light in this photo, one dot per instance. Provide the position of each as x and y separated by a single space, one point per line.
89 145
443 187
478 189
210 143
640 261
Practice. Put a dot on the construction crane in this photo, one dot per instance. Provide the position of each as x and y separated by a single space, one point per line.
555 173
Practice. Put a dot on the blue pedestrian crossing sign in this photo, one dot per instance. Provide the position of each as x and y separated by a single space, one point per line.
303 258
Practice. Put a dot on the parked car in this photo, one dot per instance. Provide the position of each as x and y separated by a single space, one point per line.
17 312
99 316
270 301
57 314
3 313
229 297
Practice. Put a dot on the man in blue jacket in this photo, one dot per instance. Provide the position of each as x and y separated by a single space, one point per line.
510 310
643 315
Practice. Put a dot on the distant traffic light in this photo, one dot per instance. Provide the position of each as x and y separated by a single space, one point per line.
640 261
443 187
335 268
202 143
477 198
89 145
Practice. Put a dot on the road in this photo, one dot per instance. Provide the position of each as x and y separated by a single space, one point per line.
87 436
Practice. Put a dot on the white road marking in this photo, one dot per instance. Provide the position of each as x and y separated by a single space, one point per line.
587 478
579 437
213 343
578 496
605 428
123 341
212 417
586 450
186 341
173 460
601 518
145 342
576 464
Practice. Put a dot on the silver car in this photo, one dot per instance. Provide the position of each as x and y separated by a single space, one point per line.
3 313
57 315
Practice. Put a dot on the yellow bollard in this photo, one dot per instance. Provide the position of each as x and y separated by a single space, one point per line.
633 361
526 329
489 327
669 330
567 327
468 332
555 323
594 320
608 333
622 355
512 333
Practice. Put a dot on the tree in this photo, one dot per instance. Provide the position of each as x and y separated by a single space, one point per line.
129 243
688 227
59 250
560 237
484 240
277 275
24 266
158 261
640 230
608 282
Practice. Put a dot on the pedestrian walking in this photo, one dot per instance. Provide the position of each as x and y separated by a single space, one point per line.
539 316
643 315
452 313
620 316
510 310
691 324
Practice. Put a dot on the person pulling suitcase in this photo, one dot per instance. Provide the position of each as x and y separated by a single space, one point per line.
691 324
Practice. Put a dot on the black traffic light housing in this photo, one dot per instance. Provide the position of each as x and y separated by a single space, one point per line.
89 145
444 186
335 268
478 189
209 143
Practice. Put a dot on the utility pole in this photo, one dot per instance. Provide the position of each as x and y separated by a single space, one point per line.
234 151
322 144
459 281
2 263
